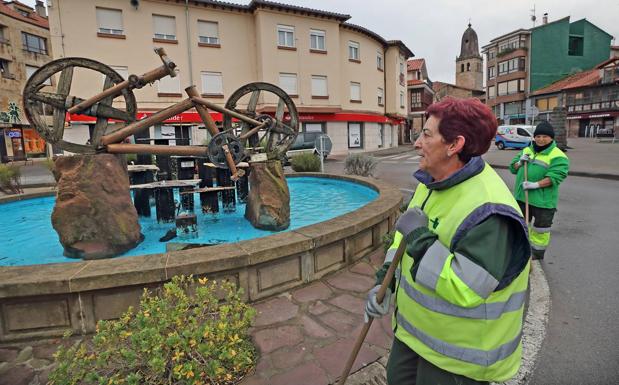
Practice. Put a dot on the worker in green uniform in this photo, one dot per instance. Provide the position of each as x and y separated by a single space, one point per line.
547 168
461 285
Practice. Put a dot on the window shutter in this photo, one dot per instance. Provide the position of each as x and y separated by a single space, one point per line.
164 25
170 85
208 29
288 82
319 86
212 83
109 19
355 91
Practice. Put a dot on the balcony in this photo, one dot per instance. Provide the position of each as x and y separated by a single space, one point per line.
589 106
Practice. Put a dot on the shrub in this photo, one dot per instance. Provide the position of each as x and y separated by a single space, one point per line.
387 240
183 336
307 162
9 179
49 163
360 164
131 158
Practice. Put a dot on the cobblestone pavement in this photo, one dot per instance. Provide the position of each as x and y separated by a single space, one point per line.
303 336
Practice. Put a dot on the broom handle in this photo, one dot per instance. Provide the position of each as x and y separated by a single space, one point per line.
384 286
526 195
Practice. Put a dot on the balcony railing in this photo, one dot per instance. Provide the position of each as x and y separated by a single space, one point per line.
593 106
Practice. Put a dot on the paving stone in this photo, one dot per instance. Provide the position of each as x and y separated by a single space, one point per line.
363 268
38 363
44 374
341 322
313 329
290 357
8 354
376 335
377 259
349 303
269 340
306 374
254 380
352 282
318 308
313 292
18 375
45 351
4 366
333 357
24 355
275 310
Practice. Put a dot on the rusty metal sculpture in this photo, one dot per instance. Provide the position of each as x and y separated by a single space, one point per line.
276 133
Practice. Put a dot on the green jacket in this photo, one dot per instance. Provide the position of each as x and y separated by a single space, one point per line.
551 163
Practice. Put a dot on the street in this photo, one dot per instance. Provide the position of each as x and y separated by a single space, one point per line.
580 266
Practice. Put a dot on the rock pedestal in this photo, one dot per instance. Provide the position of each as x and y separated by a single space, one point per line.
94 216
268 202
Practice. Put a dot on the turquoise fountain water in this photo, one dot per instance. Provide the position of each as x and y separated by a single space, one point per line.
28 237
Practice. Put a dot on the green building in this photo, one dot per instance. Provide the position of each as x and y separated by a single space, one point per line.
561 48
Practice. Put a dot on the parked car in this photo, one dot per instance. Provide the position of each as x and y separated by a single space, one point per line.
514 136
309 142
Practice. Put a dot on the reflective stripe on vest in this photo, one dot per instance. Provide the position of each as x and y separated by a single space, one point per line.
474 356
485 311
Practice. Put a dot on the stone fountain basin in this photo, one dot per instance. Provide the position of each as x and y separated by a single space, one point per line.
44 301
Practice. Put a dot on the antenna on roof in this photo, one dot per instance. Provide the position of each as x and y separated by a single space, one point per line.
533 18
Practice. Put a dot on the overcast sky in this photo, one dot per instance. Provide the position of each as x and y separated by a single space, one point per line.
433 29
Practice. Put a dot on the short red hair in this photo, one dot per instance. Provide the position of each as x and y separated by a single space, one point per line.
467 117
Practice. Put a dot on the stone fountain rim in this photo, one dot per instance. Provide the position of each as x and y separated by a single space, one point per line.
80 276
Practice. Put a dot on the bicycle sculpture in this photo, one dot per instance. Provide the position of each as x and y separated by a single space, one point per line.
260 132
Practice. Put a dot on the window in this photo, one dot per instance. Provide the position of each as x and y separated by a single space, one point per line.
31 70
511 44
169 85
353 50
208 32
319 86
462 67
123 71
110 21
317 40
288 83
313 127
5 69
379 61
511 87
491 92
546 104
491 72
380 93
401 99
416 99
512 65
491 54
285 36
575 46
522 132
33 43
502 87
468 67
3 35
355 91
401 68
355 135
212 83
164 27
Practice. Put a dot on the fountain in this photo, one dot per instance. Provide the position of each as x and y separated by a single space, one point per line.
47 298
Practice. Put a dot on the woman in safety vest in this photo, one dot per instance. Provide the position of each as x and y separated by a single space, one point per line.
547 168
461 285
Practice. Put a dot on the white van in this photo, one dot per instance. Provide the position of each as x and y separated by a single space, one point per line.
514 136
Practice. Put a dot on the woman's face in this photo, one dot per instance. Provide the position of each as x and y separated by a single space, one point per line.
431 147
542 140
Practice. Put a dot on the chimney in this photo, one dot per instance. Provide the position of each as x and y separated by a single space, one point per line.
40 9
545 18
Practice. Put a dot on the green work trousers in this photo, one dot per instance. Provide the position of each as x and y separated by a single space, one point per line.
405 367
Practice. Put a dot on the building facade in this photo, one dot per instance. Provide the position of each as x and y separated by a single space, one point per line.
420 95
345 80
24 47
526 60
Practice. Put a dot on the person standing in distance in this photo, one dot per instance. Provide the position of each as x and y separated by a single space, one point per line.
548 166
461 285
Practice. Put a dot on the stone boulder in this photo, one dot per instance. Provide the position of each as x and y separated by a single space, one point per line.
268 202
94 215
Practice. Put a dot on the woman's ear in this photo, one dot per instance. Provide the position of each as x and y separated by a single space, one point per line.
457 145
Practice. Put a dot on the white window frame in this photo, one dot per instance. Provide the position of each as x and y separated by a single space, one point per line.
289 83
491 92
319 36
123 71
380 93
402 100
380 60
206 38
109 21
316 80
216 84
169 85
354 50
285 36
162 35
355 91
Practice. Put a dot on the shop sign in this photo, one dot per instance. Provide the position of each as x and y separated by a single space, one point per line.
14 134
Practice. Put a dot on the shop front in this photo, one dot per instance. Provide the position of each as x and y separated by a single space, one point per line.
592 125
